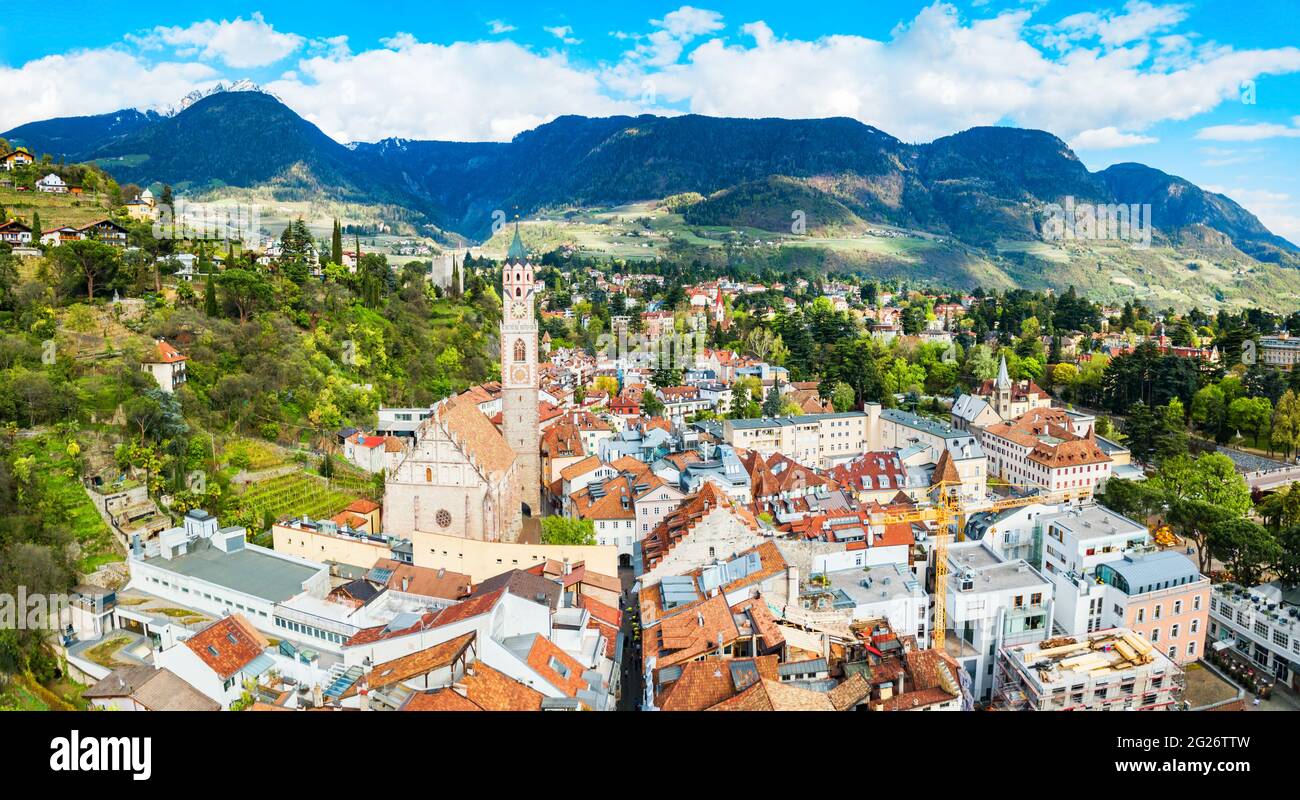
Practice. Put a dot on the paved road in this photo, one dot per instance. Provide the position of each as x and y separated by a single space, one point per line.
1272 480
630 697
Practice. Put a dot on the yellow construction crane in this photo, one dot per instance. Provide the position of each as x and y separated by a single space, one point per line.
946 512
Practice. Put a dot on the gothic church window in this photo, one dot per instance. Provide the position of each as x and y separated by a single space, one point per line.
520 353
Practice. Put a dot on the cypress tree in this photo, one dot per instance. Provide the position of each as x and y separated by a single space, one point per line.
36 225
336 245
210 297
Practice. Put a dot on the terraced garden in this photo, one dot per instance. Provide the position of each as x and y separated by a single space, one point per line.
294 495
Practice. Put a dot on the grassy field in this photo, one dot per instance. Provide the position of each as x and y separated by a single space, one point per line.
55 209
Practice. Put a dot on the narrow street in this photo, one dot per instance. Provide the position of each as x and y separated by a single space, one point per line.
630 698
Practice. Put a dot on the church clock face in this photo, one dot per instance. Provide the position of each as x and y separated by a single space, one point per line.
518 310
519 374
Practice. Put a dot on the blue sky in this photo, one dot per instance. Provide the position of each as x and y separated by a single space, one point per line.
1200 89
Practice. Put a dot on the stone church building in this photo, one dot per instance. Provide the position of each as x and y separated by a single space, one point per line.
458 474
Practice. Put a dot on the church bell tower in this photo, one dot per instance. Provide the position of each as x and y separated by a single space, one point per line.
519 378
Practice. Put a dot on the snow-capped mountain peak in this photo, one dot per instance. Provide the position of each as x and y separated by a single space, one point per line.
241 85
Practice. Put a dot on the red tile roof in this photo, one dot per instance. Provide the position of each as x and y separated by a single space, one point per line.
227 645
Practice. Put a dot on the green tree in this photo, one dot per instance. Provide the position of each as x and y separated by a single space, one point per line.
246 290
1251 414
842 397
210 297
1286 424
566 530
87 260
1245 547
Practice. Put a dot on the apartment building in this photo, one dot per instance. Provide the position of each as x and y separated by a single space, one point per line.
1042 448
991 603
1113 670
814 440
1281 351
1261 624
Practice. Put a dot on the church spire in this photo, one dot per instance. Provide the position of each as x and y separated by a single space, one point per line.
517 252
1004 380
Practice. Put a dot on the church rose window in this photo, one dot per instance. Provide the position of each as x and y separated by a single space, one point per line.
443 518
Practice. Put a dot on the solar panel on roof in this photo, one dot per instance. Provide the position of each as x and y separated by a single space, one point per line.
379 575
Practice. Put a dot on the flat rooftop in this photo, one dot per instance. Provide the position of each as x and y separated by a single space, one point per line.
888 582
800 419
1072 659
1095 522
991 572
250 570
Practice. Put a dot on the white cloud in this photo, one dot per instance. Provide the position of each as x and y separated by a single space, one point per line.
1227 157
497 27
239 43
563 32
1108 138
463 91
1250 133
93 82
673 33
1140 20
939 73
1277 210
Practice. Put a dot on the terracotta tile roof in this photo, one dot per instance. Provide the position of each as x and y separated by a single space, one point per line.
871 471
349 519
492 690
926 686
1021 390
604 618
227 645
476 435
709 681
440 700
440 583
413 665
166 354
562 440
850 693
753 617
543 657
630 464
580 468
681 460
1050 438
612 499
473 607
779 473
945 471
362 506
690 632
770 695
483 392
581 574
485 689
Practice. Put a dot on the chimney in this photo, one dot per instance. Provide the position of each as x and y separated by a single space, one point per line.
317 696
902 677
363 692
406 582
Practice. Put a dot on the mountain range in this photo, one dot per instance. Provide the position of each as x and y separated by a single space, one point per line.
981 186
